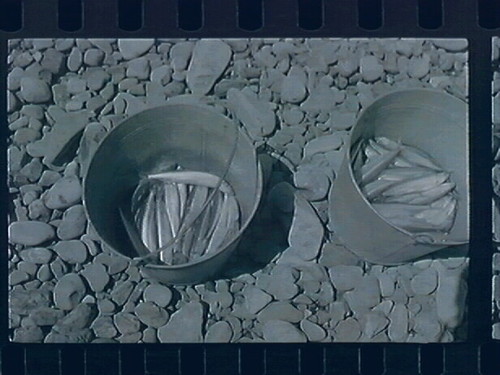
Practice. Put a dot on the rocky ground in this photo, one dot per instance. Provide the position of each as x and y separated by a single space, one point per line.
496 187
299 98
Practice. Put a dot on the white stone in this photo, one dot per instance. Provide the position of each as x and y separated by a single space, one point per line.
184 326
132 48
281 331
418 67
30 233
293 86
210 59
452 45
322 144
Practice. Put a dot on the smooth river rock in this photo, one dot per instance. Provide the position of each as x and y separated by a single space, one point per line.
185 325
30 233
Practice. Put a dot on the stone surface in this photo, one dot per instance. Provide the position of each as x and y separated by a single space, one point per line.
72 252
219 332
37 255
69 291
209 60
96 276
255 299
132 48
159 294
313 331
151 315
34 90
190 317
64 193
73 223
280 310
30 233
425 282
282 331
345 277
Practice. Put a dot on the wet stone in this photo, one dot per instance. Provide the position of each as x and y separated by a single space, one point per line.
72 252
96 276
30 233
159 294
151 314
219 332
185 325
69 291
282 331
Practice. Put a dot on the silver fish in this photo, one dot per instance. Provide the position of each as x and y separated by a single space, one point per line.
418 157
194 178
404 173
373 189
171 197
149 228
417 185
374 167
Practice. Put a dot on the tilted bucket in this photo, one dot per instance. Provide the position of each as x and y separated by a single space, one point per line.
431 121
196 138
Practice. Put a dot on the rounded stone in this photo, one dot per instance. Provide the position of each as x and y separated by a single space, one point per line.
64 193
30 233
159 294
35 90
73 251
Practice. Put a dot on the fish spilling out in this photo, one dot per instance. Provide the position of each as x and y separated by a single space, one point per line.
404 185
184 214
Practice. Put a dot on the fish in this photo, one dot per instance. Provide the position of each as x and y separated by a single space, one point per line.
404 173
183 191
194 178
148 228
377 146
418 157
402 162
171 198
390 210
164 231
417 185
373 189
432 195
374 167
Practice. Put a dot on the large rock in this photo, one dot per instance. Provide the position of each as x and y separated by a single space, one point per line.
64 193
37 255
210 59
132 48
185 325
72 252
30 233
73 223
96 276
219 332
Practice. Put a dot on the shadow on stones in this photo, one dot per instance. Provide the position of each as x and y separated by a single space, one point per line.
267 235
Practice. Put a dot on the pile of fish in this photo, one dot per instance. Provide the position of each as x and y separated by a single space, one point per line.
184 214
404 185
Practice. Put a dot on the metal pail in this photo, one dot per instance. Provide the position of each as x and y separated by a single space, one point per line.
194 137
432 121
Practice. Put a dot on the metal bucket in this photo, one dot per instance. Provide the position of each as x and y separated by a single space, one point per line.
194 137
432 121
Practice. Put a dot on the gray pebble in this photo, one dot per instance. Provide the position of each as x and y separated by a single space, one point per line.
46 316
398 328
425 282
323 144
450 296
24 136
313 183
219 332
159 294
30 233
185 325
280 310
126 323
14 79
73 223
103 327
64 193
151 315
121 292
387 284
28 267
348 330
37 255
106 307
33 170
452 45
19 123
12 102
418 67
69 291
44 273
138 68
345 277
313 331
282 331
93 57
96 276
293 87
131 338
18 277
149 336
341 120
132 48
53 61
283 285
72 252
255 299
75 59
365 296
375 322
34 90
370 68
28 335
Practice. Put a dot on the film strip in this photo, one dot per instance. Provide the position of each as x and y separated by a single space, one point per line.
477 21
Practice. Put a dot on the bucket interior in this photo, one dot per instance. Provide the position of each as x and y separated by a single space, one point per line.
433 122
193 137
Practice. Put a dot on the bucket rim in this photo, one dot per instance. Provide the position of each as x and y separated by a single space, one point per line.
202 259
441 238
